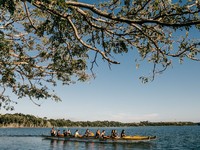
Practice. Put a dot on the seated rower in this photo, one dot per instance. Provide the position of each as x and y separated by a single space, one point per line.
123 134
76 134
53 132
98 133
69 132
114 134
64 133
87 133
59 134
103 135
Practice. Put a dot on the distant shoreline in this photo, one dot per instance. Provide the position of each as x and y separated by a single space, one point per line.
7 127
30 121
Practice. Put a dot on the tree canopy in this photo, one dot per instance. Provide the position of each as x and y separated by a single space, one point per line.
46 41
22 120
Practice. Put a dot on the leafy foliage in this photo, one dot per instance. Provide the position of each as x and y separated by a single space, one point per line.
22 120
43 42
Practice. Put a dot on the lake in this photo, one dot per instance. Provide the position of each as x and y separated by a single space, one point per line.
168 138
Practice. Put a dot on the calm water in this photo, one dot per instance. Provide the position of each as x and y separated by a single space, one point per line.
169 138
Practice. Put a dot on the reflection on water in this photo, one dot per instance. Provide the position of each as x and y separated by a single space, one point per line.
54 144
62 144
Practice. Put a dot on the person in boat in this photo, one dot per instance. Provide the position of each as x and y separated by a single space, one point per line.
53 132
64 133
123 133
88 133
114 134
69 132
76 134
103 135
98 133
58 133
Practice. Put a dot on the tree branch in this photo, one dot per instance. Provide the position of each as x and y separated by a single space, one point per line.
28 15
88 46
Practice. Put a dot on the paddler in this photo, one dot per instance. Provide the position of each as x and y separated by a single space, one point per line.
103 135
114 134
88 133
59 134
69 132
123 133
98 134
76 134
53 132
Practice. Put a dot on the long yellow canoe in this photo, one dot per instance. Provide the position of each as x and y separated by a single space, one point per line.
138 137
127 139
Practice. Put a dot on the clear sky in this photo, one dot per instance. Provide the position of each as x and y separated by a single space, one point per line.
119 95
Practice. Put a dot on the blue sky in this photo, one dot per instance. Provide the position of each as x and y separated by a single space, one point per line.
119 95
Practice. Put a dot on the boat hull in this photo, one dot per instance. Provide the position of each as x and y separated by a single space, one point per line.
105 140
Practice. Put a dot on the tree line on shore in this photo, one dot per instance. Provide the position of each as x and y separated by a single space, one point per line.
22 120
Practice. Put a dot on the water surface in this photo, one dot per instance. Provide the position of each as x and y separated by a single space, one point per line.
168 137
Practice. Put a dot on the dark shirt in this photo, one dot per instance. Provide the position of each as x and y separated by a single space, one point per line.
97 135
123 134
